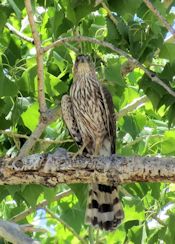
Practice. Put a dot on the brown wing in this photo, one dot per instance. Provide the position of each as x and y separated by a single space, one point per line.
69 118
109 107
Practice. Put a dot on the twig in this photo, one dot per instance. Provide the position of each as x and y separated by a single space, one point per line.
66 225
32 228
45 140
149 73
18 33
132 106
113 19
40 205
160 17
39 57
159 221
141 138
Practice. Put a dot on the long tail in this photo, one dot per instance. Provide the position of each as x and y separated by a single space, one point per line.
104 208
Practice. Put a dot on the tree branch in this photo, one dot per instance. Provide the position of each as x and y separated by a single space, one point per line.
60 167
18 33
160 17
32 228
45 140
40 205
44 113
132 106
51 115
39 57
149 73
109 13
54 216
12 233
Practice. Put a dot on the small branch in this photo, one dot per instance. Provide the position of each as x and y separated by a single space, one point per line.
32 228
135 62
31 141
160 17
54 216
12 233
39 57
159 221
51 115
141 138
19 34
41 95
60 167
40 205
113 19
46 140
138 102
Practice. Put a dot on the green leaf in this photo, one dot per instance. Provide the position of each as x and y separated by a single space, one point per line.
12 53
131 126
31 194
168 141
138 235
126 8
49 194
31 116
15 8
81 192
4 13
113 73
73 216
7 87
13 189
133 208
168 52
26 84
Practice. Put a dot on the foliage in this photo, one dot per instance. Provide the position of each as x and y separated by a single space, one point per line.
149 207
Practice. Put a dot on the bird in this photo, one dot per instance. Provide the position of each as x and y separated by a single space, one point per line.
89 115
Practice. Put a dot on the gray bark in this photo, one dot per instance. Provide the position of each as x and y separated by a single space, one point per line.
61 167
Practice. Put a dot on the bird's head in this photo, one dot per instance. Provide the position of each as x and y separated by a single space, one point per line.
83 66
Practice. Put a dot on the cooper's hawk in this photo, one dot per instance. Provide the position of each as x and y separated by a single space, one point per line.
89 115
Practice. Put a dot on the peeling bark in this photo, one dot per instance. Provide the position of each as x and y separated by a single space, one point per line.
60 167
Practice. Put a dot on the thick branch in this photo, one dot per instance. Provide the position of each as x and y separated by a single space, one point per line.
149 73
60 167
12 232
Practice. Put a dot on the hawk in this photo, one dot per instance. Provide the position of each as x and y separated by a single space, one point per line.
89 115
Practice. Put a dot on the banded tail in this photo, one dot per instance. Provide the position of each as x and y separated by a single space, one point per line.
104 209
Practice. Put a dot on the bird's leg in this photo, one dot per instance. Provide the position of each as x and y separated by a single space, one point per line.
80 151
98 144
